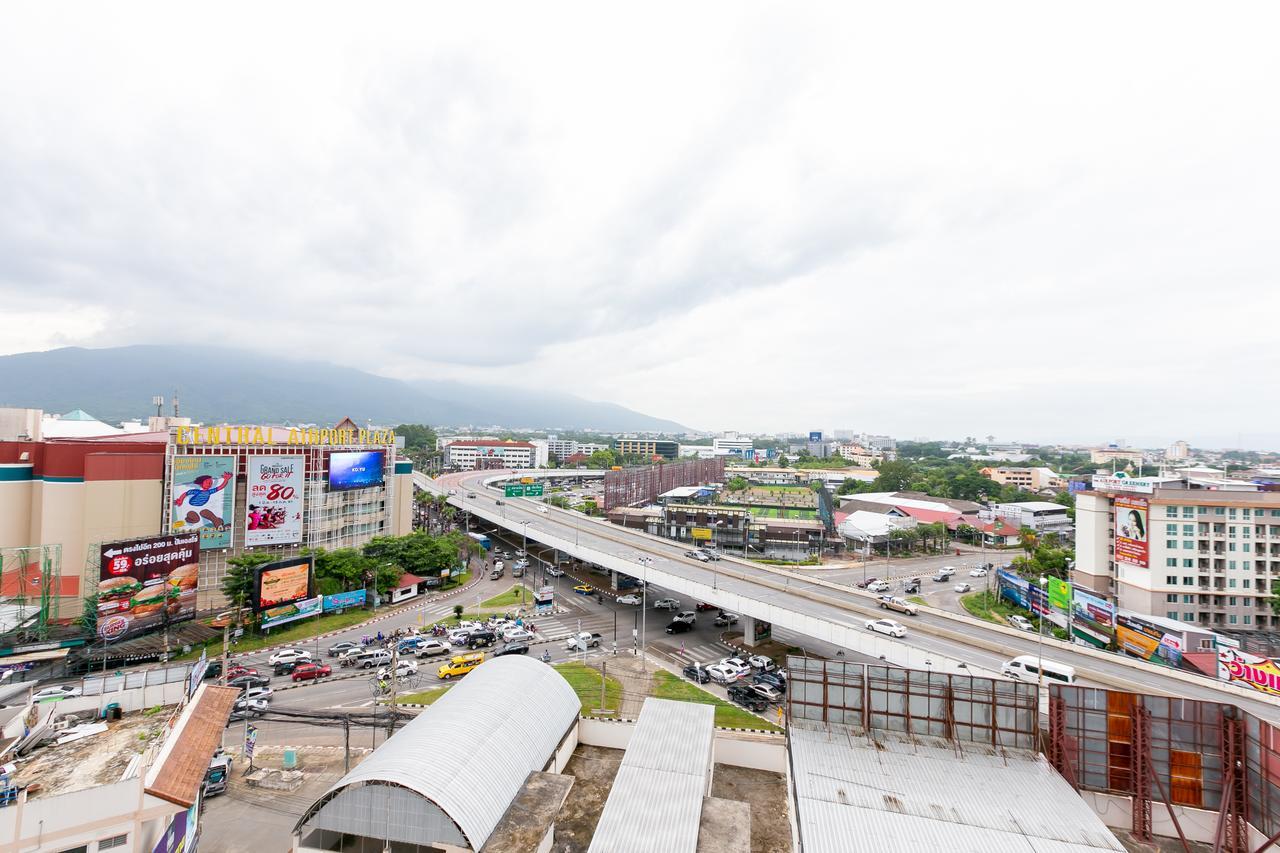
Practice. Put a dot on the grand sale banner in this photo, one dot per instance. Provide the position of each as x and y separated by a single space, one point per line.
273 506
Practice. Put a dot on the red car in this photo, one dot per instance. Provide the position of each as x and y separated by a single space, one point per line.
307 671
702 605
237 671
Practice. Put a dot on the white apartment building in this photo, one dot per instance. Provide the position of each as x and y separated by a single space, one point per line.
863 457
1028 479
731 444
476 454
1169 548
1178 450
1099 455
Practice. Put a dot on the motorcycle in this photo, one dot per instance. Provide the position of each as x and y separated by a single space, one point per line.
546 657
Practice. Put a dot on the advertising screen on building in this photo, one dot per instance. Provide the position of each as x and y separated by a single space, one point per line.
1093 619
290 612
815 437
1248 670
359 469
203 498
273 500
282 583
1131 531
146 583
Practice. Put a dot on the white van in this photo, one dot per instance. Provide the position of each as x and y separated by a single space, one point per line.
1027 668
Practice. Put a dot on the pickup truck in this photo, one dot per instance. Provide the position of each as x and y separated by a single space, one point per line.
890 602
582 641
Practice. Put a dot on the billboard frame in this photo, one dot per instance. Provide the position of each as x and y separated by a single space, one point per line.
255 595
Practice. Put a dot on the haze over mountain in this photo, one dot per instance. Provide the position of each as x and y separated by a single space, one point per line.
219 384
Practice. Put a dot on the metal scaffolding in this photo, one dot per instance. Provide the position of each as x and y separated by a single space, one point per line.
639 486
30 582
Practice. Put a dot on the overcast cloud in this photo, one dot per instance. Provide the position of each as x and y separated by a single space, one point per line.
922 219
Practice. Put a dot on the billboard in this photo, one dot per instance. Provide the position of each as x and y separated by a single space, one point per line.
1131 531
146 583
1060 594
700 534
289 612
1121 483
180 834
273 500
1144 639
344 600
355 469
1248 670
203 490
815 437
1093 619
282 583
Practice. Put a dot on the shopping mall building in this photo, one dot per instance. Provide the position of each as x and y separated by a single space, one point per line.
242 488
1204 552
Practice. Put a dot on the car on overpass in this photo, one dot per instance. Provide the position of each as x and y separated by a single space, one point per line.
697 555
892 602
887 626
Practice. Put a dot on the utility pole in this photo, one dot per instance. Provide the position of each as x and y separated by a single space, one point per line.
395 684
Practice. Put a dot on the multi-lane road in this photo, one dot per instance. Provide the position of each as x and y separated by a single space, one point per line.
836 610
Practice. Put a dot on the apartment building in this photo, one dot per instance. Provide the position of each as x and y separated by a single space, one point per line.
731 444
475 454
562 448
1100 455
1170 548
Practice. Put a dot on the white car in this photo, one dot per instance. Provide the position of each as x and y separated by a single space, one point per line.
685 616
554 572
403 668
878 586
252 693
767 692
723 674
963 587
738 664
289 656
1022 623
541 508
887 626
516 634
57 691
725 618
947 570
256 706
761 663
629 599
431 648
460 637
977 573
666 604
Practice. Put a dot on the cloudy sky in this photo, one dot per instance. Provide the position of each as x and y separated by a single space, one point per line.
928 220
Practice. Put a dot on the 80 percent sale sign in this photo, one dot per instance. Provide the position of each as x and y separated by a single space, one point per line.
273 507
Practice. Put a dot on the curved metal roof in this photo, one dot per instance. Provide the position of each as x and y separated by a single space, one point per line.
471 751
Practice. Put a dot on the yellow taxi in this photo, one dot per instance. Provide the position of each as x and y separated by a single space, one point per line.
460 665
583 589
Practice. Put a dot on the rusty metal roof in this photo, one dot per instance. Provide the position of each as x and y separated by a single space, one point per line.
180 769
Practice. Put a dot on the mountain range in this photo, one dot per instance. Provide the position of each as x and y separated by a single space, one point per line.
234 386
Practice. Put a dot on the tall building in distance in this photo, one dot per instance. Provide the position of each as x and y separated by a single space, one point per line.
647 447
1178 450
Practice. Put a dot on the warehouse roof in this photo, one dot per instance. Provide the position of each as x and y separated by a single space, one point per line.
655 804
892 793
467 756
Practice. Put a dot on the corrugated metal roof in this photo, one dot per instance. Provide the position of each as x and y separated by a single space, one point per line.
180 768
655 804
892 793
472 750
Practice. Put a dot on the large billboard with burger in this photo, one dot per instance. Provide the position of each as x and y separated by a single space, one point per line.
144 583
282 583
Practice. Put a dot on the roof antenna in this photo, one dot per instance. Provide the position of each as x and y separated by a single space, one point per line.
175 402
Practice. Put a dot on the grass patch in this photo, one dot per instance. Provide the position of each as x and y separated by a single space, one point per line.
915 599
669 686
808 561
424 697
993 608
510 598
585 681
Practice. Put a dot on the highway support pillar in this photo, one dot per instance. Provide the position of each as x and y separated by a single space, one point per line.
748 625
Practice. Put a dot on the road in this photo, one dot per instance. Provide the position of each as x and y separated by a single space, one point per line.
761 587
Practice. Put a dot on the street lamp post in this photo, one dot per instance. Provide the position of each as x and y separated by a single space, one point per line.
644 608
1044 584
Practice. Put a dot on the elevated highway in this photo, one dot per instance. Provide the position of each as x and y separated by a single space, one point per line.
936 640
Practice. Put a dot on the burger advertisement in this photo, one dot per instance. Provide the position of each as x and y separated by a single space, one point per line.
146 583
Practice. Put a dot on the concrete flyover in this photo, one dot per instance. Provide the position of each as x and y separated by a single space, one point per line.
937 640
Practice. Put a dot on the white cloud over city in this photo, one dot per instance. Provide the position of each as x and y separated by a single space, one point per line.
926 219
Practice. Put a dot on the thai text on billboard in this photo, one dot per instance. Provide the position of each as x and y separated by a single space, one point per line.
1248 670
282 583
289 612
1093 619
273 502
146 583
1145 639
203 498
1131 531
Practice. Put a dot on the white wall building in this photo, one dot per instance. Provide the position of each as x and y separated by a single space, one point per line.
731 444
474 454
1178 450
1041 516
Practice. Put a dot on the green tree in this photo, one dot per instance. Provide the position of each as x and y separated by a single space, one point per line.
737 484
1028 541
417 437
604 458
894 476
341 570
237 582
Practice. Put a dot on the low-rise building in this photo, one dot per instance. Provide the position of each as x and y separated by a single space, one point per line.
647 447
477 454
1041 516
1038 479
1099 455
731 444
